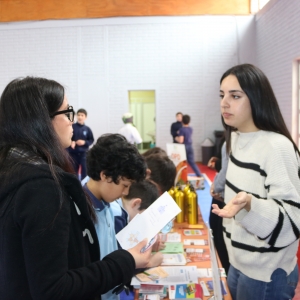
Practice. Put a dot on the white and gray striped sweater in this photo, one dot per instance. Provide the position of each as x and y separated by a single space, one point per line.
265 165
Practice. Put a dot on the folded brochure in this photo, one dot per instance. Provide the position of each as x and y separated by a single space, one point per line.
149 223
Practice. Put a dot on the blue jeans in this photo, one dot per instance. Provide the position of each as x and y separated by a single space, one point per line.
190 158
282 287
79 159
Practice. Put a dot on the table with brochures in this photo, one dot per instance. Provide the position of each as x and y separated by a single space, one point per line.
191 249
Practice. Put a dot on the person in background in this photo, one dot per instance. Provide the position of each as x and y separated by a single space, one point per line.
113 165
160 169
82 139
217 193
155 150
261 218
215 162
185 137
141 195
129 130
48 244
161 173
176 126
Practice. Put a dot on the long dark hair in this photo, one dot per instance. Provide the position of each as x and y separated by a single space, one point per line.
266 114
25 108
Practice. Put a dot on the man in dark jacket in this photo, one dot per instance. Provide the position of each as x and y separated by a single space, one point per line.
176 126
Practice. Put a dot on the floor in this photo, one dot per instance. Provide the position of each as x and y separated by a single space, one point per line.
210 175
297 295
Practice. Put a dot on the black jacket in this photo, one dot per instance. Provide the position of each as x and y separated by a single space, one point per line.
48 251
81 132
174 130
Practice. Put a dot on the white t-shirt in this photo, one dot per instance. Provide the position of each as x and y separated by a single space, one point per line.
131 134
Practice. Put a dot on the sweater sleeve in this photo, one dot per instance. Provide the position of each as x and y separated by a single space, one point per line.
180 132
276 219
74 130
90 138
45 230
220 179
218 164
173 131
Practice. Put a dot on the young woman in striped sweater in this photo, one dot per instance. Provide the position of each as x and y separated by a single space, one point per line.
261 219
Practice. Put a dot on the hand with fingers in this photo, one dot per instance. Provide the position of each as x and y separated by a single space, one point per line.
212 162
240 201
158 245
155 260
142 259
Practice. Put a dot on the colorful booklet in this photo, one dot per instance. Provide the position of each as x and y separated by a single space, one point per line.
172 248
185 291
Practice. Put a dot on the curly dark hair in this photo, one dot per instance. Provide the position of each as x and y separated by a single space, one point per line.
163 170
117 158
147 190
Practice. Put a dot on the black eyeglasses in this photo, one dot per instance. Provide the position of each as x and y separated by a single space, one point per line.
70 113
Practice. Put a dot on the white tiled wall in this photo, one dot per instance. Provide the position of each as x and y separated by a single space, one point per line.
278 45
181 58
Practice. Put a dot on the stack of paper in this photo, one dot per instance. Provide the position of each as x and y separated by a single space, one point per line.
177 259
185 274
152 292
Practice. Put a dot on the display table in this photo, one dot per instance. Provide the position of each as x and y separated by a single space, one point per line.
202 256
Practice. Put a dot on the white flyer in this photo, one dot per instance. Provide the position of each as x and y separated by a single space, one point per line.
174 259
188 242
173 237
149 223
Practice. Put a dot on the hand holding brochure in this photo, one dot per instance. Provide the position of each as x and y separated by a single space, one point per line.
149 223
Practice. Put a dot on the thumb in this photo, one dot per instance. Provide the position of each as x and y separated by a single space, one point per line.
143 243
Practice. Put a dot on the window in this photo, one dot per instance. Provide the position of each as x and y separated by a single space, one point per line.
257 5
142 106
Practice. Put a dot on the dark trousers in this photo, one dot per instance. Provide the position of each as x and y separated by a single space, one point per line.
216 226
79 159
190 159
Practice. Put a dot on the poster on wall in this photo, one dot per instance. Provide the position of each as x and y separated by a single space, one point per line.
177 154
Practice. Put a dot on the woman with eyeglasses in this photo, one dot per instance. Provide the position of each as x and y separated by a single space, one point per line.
48 244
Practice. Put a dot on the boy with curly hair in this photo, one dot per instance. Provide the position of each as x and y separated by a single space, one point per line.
113 164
